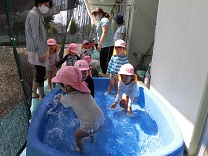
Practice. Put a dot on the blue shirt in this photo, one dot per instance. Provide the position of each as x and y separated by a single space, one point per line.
108 42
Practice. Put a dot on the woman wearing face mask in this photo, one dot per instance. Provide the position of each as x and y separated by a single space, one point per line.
104 36
36 43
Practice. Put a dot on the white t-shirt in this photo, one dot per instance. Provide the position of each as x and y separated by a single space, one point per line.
131 90
121 30
89 113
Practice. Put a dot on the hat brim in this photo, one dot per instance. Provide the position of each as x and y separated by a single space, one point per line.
83 69
85 43
119 46
76 52
81 87
125 73
51 43
56 80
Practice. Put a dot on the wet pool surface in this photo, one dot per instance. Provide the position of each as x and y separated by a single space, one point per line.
120 134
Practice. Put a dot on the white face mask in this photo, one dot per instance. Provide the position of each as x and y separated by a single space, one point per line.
43 9
97 18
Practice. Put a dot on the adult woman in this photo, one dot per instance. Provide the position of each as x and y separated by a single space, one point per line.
104 36
36 43
121 31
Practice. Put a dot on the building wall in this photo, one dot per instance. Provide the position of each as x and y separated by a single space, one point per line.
179 65
140 26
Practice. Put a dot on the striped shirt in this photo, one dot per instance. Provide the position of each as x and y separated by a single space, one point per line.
116 62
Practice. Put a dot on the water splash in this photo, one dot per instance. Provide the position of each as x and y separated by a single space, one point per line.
120 134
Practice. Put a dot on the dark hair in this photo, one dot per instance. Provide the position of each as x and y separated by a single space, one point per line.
43 1
101 11
119 19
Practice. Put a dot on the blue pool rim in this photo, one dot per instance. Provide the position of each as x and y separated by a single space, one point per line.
163 117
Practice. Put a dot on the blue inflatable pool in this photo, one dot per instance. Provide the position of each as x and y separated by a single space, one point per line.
150 131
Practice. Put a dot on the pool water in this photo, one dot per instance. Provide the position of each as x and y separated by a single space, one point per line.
120 134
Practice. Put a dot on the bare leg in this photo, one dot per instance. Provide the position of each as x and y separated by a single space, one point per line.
116 87
124 102
34 90
111 86
53 75
49 75
79 135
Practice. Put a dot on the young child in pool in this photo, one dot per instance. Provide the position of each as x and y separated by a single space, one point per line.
79 99
71 57
128 90
118 59
83 66
52 58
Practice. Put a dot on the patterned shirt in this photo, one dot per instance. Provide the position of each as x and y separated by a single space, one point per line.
116 62
70 60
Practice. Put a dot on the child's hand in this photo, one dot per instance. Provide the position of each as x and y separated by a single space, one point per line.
113 106
129 111
54 68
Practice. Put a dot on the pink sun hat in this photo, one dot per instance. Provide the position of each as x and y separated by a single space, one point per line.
73 48
87 58
120 43
126 69
85 41
82 65
51 41
69 75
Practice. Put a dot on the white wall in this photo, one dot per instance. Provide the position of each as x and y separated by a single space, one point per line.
180 59
141 26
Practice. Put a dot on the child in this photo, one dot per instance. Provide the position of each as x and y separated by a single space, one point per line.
127 87
51 60
85 50
115 63
93 64
83 66
89 113
71 56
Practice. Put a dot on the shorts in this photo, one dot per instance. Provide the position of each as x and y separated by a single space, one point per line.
115 76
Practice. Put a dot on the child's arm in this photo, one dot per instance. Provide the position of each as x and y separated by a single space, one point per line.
80 55
129 111
62 61
61 98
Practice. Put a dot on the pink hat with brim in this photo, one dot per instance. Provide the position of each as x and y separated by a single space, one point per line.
88 59
126 69
72 76
73 48
120 43
51 41
82 65
85 41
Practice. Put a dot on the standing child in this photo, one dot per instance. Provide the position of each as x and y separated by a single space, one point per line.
89 113
128 90
83 66
121 31
51 60
115 63
71 56
85 50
